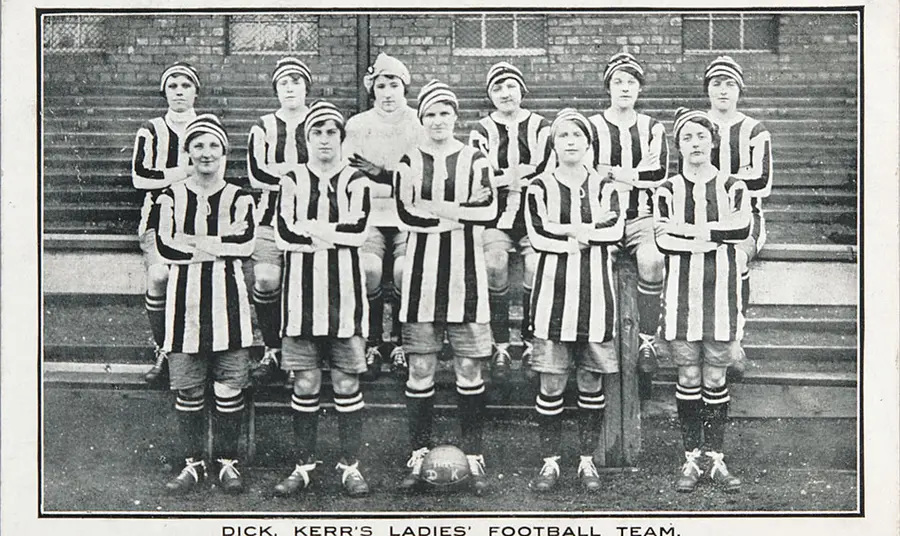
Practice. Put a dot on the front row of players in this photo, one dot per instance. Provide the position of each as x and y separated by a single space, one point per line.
444 196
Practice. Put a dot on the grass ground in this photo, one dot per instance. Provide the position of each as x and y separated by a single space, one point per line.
107 450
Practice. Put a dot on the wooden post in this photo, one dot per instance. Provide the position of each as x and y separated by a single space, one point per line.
621 440
362 61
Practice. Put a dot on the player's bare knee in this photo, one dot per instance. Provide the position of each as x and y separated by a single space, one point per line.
714 377
222 390
690 376
399 265
529 267
307 382
422 368
266 277
157 279
650 264
588 380
192 392
496 262
553 384
373 269
343 383
742 260
468 371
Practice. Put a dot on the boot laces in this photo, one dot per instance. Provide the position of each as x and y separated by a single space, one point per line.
190 468
551 467
270 357
228 466
718 465
161 355
349 471
647 343
373 355
476 464
302 472
690 465
586 467
416 459
398 357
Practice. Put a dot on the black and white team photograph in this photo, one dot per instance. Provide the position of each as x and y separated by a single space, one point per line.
424 262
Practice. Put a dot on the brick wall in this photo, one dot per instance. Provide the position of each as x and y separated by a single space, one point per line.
139 46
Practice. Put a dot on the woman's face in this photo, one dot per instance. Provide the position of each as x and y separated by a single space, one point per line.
506 95
695 142
180 93
206 152
439 121
723 93
291 91
388 92
570 143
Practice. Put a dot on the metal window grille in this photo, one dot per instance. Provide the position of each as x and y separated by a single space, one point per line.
73 33
506 35
729 33
273 34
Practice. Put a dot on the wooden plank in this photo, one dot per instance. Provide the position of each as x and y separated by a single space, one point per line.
628 341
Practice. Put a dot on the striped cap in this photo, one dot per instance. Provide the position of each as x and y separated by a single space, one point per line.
502 71
181 68
684 116
434 92
571 114
724 66
385 65
206 124
319 112
623 61
290 66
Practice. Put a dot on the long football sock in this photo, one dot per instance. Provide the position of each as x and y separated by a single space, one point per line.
227 425
471 417
396 330
306 425
549 410
350 422
191 419
689 403
591 408
745 292
649 306
526 314
715 416
376 317
268 313
420 416
499 306
156 314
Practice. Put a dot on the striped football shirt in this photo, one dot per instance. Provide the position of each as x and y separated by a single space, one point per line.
207 308
324 291
702 288
641 147
445 279
158 151
574 289
275 147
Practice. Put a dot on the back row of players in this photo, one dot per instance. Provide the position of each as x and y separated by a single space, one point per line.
566 194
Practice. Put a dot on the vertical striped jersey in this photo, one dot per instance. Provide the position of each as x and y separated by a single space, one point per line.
506 145
275 147
158 151
207 308
574 289
321 223
640 147
445 279
745 152
702 289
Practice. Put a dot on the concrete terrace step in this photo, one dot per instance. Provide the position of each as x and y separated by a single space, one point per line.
468 90
548 108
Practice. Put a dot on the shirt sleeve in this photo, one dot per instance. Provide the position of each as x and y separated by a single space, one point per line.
758 178
352 231
537 220
653 167
408 176
262 175
735 226
287 232
482 212
144 174
173 250
608 232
